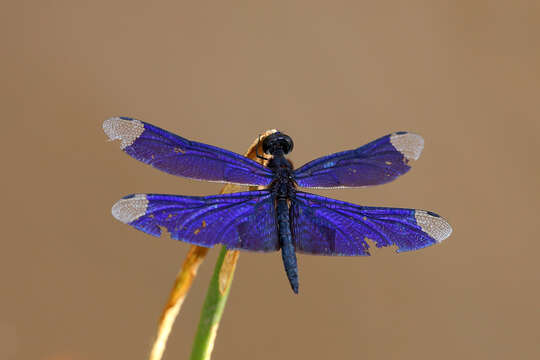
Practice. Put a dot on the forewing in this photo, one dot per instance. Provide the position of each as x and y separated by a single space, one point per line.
239 220
326 226
178 156
375 163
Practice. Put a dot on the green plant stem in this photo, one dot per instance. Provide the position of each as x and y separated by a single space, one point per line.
211 313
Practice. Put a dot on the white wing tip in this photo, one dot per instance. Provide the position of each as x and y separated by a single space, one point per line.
130 208
409 144
433 225
125 130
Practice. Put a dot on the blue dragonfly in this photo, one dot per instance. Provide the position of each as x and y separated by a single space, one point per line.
279 217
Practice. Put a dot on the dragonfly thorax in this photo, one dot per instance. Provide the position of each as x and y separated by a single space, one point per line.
283 185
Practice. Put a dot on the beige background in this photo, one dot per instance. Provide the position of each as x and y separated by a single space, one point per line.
76 284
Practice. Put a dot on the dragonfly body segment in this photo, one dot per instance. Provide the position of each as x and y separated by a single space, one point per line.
280 217
283 187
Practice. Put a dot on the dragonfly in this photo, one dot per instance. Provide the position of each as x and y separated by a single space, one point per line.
279 216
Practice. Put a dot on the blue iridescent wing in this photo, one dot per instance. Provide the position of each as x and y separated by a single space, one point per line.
326 226
178 156
375 163
244 220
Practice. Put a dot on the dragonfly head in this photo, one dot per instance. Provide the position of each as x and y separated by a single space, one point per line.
276 141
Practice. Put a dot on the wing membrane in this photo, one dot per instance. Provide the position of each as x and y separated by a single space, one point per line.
238 220
378 162
178 156
326 226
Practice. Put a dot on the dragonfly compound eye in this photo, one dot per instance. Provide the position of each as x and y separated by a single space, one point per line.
277 140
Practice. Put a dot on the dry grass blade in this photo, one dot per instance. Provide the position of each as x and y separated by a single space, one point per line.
181 286
186 276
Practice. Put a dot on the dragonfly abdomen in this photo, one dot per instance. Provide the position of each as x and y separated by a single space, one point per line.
288 253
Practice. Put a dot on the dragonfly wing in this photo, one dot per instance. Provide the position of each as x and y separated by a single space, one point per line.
239 220
378 162
326 226
178 156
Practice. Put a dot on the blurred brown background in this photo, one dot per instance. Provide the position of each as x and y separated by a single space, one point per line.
334 75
